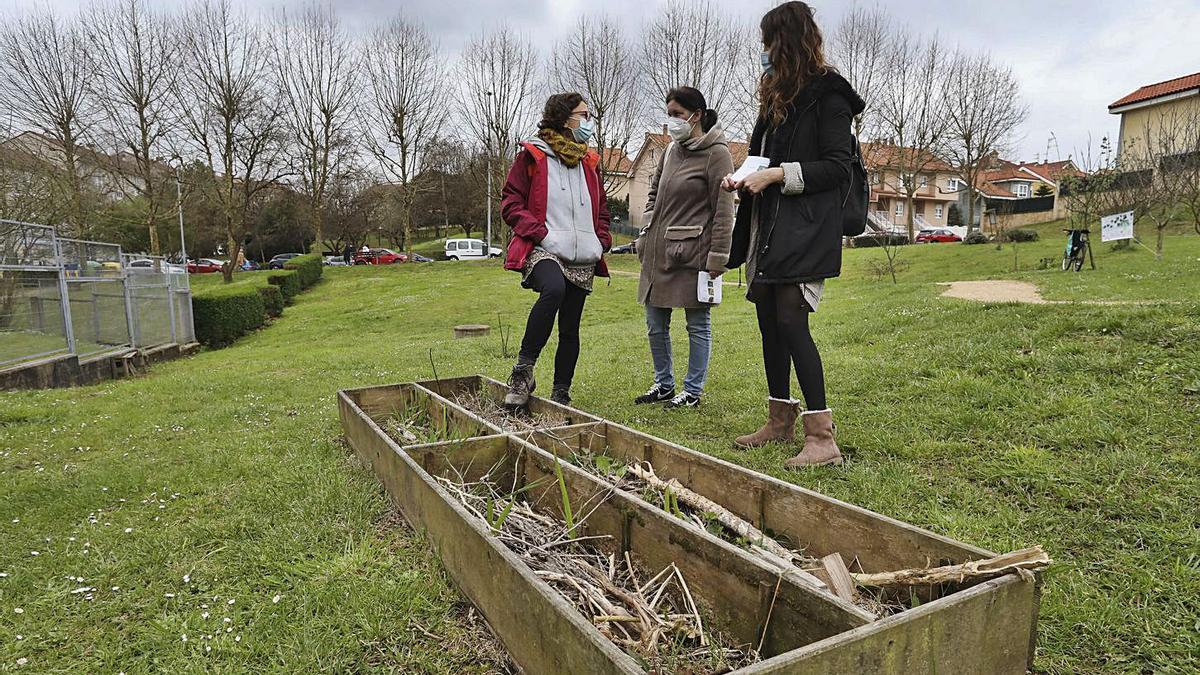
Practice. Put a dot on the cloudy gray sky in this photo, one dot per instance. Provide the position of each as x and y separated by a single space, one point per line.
1073 57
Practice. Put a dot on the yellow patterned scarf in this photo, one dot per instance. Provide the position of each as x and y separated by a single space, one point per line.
568 151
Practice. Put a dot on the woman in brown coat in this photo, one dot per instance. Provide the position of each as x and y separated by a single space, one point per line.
689 224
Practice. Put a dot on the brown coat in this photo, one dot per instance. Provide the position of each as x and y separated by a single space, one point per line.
690 221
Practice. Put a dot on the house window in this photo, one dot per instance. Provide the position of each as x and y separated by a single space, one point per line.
952 184
924 181
1021 190
938 210
899 208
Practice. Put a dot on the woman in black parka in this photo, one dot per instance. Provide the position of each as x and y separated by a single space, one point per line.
789 223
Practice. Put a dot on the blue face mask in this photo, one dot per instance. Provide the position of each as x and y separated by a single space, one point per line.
766 63
583 132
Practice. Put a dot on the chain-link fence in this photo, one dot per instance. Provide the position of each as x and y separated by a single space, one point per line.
69 296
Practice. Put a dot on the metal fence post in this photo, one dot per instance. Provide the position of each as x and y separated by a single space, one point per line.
68 328
129 325
171 302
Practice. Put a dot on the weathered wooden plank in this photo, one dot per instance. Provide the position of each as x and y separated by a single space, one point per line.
724 578
543 633
819 524
983 629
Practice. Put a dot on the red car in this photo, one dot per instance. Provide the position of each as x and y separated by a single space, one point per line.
379 256
204 266
936 236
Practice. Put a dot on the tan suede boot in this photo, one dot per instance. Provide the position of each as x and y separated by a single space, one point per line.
819 447
780 426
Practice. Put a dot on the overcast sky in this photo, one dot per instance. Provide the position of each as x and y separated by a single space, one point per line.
1073 57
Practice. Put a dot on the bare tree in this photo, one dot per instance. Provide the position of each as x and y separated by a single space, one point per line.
1187 162
407 107
910 113
136 55
232 114
982 105
598 61
859 48
694 43
318 78
498 71
44 70
1158 168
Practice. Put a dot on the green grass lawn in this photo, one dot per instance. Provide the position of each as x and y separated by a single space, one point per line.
214 498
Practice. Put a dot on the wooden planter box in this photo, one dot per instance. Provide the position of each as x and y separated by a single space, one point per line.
985 628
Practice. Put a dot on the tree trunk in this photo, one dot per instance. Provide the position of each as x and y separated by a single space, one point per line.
911 216
1158 244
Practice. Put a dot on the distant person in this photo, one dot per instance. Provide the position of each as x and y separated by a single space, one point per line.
348 254
789 223
365 250
689 224
554 202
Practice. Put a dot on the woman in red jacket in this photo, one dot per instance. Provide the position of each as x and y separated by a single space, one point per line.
555 204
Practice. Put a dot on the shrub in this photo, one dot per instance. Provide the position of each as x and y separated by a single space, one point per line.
272 300
288 282
1021 235
224 314
307 267
975 237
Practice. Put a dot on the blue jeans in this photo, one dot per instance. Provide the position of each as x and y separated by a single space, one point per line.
699 327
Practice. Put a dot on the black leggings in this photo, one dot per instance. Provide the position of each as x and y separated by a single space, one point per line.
786 341
557 297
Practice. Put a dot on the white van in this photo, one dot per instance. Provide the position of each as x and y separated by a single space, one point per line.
468 249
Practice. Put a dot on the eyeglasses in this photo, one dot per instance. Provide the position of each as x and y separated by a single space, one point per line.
584 114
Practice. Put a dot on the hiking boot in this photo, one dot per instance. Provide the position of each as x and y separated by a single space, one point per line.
561 395
656 394
520 386
683 400
780 426
819 447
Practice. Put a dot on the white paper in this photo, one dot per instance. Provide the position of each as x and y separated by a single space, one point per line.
753 163
1117 226
708 289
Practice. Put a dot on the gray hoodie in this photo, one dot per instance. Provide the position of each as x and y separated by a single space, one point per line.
571 232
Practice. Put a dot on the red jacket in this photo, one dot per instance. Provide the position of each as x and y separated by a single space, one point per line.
524 205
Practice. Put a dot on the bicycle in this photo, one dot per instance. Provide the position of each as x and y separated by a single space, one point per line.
1077 248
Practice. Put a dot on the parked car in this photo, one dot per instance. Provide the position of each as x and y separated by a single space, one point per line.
143 265
624 248
936 236
250 265
379 256
334 261
417 257
204 266
278 261
469 249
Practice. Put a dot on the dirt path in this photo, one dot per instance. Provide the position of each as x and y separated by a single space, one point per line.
996 290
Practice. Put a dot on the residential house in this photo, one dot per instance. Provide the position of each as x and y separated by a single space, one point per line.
1148 114
615 168
645 163
937 188
1014 194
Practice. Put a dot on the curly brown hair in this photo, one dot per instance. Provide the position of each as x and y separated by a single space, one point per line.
792 39
558 110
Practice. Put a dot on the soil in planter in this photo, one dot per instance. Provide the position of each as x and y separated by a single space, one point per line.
652 617
492 410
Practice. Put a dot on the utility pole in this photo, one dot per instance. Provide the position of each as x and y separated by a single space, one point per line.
487 251
179 207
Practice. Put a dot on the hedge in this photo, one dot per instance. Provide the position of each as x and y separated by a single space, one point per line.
272 300
308 268
225 314
1021 235
288 282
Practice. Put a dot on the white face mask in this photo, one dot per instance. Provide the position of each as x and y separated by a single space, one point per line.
679 129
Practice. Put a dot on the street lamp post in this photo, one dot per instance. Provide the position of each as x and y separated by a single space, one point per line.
487 252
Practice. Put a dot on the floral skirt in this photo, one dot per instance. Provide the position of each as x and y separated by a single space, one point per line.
581 276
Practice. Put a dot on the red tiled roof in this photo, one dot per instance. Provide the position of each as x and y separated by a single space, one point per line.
887 155
1054 171
990 190
1151 91
1006 173
614 160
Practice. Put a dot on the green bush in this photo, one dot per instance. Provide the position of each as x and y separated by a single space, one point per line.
975 237
224 314
307 267
1021 235
288 282
272 300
